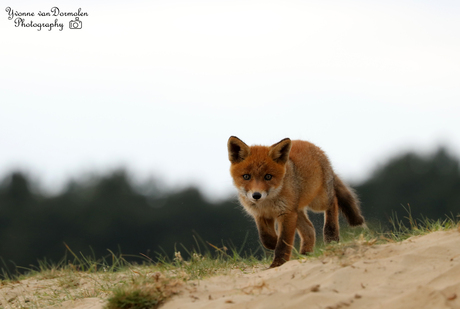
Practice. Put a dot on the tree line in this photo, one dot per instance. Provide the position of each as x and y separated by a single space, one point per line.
112 212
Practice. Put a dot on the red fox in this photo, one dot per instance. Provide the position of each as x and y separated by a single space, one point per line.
276 183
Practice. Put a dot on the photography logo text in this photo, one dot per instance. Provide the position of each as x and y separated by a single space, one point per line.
55 18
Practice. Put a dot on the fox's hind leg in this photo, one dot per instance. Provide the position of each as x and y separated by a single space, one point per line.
331 223
267 232
306 232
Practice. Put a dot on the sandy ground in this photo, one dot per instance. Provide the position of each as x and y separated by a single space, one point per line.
421 272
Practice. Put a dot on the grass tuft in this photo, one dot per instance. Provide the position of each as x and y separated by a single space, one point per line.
144 292
410 226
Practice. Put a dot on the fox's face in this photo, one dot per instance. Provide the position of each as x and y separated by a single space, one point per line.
258 171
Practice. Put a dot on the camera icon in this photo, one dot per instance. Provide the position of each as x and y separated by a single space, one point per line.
75 24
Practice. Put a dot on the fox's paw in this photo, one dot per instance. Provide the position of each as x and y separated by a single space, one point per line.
306 252
277 263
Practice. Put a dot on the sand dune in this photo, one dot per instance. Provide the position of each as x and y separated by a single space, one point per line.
421 272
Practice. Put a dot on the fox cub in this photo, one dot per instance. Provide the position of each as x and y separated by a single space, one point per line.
276 183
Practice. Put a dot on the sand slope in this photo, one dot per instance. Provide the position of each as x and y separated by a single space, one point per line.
421 272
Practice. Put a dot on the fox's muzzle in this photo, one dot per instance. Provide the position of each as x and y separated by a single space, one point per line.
255 196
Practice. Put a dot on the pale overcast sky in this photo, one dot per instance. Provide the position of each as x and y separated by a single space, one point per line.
159 86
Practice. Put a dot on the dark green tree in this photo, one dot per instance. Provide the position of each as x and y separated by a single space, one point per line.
110 212
97 213
429 185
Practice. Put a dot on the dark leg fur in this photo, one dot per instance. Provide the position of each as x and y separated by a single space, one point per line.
331 223
267 232
306 232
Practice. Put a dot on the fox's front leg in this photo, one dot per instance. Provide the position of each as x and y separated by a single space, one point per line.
267 232
287 226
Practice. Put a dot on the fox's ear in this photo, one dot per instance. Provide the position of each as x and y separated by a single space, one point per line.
279 152
237 149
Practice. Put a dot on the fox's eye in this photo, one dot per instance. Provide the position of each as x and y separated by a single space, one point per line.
246 176
268 177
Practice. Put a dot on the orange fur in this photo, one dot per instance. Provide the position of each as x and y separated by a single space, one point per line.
276 183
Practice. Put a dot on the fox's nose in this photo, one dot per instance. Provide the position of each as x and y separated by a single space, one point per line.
256 195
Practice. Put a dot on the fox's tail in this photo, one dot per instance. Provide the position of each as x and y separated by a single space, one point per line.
348 202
